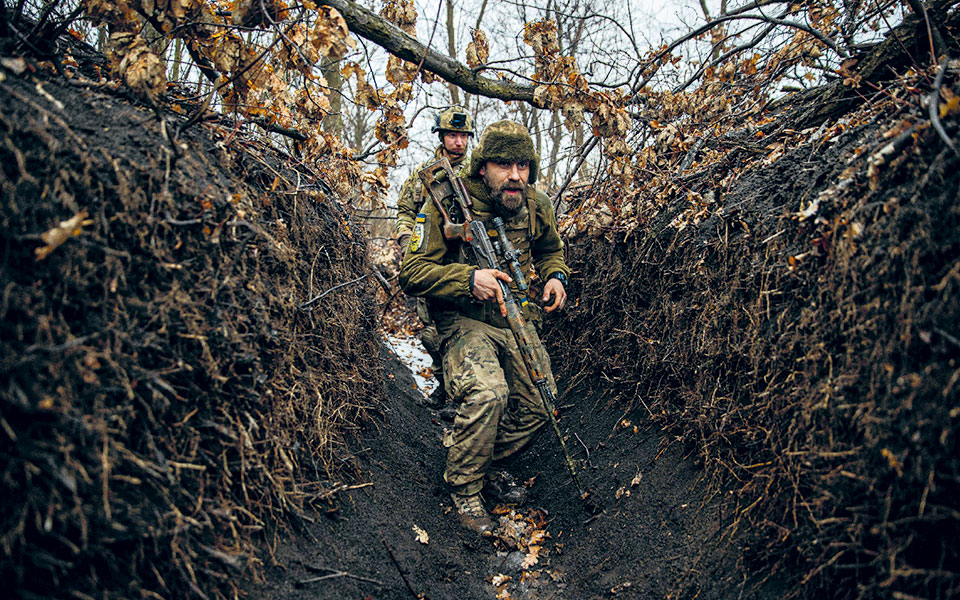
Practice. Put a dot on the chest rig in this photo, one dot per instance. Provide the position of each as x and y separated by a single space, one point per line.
521 231
448 193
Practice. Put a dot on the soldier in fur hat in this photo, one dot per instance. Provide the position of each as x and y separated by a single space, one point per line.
500 409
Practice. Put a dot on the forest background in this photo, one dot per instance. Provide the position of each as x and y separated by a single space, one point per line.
598 84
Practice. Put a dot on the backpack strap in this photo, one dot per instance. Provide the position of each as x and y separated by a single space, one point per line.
532 215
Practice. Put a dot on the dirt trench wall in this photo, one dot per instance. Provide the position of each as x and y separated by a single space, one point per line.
167 387
812 362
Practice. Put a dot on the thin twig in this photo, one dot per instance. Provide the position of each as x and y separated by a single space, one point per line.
381 279
948 337
169 219
587 149
196 115
336 574
77 341
403 576
55 34
933 106
731 16
585 449
336 287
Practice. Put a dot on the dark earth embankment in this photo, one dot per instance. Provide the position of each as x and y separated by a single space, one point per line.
795 323
167 389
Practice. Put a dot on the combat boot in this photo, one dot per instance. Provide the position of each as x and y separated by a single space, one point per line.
504 488
472 514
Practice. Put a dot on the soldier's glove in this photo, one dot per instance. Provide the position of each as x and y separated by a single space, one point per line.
404 241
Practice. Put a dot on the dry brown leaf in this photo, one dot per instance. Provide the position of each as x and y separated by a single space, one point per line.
401 13
478 51
367 95
141 69
473 61
532 557
330 35
400 71
952 103
542 37
422 536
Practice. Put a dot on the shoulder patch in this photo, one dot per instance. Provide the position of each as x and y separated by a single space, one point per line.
419 231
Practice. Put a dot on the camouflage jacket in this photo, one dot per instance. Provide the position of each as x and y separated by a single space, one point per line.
441 270
412 197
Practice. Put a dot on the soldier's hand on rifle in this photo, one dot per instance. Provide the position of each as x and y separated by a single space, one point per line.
486 288
553 288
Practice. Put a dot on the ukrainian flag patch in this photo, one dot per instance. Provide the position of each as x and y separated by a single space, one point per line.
416 240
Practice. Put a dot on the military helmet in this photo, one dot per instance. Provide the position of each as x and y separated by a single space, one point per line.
504 141
452 118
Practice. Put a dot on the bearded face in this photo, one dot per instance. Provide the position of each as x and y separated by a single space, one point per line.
507 184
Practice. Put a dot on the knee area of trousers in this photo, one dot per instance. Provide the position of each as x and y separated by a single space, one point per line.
540 415
489 395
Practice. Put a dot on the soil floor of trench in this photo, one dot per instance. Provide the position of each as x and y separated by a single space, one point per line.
660 532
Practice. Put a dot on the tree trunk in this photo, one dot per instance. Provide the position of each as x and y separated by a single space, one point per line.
177 57
452 49
333 122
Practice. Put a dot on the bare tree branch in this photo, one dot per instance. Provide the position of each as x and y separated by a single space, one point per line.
483 8
370 26
735 16
723 58
706 11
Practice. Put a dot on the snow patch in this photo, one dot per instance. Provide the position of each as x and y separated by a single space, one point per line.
412 354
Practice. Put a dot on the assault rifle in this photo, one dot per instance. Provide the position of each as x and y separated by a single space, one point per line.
443 184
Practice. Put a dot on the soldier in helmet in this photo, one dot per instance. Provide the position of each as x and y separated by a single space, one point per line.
454 126
500 409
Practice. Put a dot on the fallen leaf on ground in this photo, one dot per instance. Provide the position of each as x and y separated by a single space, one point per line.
531 558
422 536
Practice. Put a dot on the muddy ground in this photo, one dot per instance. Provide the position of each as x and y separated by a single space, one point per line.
655 537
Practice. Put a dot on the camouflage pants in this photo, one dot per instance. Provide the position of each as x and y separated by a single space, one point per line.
500 408
430 338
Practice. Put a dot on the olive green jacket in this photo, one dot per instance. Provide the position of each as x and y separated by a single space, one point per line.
441 270
412 197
